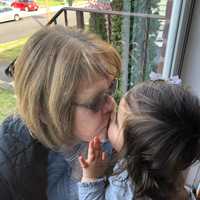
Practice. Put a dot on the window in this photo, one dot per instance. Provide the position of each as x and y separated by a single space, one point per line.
149 41
144 36
7 9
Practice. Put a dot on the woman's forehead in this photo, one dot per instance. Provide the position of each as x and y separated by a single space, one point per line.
90 89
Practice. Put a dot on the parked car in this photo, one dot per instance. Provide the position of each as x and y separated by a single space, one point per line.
9 14
27 5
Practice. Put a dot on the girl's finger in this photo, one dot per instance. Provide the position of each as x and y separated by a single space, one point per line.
91 153
83 162
104 156
97 148
97 143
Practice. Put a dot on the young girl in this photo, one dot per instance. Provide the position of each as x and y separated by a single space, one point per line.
157 134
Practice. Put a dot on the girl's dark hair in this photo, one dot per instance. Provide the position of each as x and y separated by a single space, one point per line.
162 138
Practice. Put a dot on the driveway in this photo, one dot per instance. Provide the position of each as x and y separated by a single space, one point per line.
31 22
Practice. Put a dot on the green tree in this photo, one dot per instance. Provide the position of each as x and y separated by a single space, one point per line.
97 24
70 2
116 37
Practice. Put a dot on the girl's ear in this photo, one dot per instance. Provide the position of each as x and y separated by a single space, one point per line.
113 114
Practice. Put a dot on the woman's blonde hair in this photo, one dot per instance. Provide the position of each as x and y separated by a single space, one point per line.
48 73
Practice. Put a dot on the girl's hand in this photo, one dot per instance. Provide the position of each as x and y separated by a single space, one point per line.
95 164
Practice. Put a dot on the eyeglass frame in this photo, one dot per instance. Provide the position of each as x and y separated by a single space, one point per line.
104 97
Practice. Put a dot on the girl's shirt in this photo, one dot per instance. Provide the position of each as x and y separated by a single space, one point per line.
119 187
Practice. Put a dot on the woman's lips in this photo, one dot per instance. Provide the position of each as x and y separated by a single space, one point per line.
104 130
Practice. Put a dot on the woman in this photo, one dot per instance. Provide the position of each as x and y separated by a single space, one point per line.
64 81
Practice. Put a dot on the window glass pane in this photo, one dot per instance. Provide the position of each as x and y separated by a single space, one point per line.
141 38
147 38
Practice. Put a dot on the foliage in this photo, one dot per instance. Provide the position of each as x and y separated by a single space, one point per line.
116 37
119 92
142 40
70 2
97 24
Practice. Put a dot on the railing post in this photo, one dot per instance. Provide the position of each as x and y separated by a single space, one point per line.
65 16
80 19
109 28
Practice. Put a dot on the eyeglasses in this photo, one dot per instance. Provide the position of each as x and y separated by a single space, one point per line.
9 71
97 103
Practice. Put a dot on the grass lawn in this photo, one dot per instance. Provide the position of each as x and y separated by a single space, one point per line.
79 2
10 50
43 3
7 104
59 2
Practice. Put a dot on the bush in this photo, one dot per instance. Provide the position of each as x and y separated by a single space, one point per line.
97 22
97 25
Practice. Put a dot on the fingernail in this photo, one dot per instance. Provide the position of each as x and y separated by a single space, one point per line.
96 137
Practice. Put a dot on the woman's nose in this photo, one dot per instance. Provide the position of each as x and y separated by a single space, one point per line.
109 105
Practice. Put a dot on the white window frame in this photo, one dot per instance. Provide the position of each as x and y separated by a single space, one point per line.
180 23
